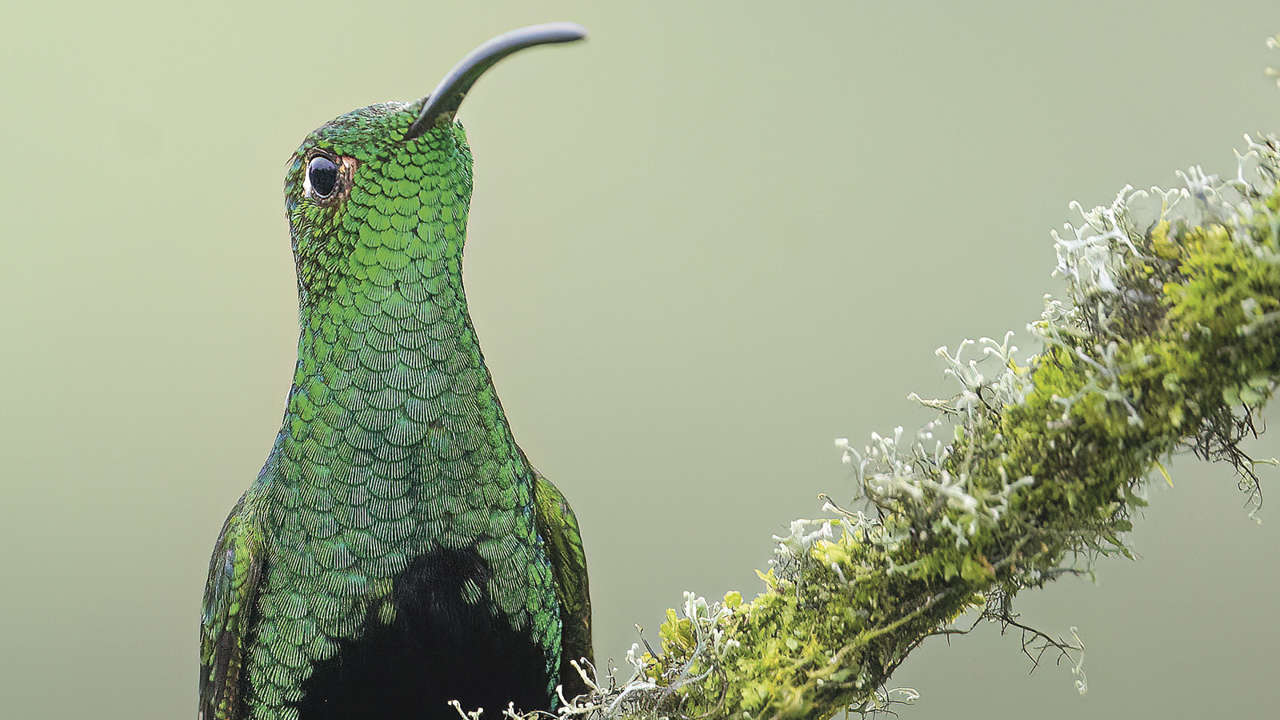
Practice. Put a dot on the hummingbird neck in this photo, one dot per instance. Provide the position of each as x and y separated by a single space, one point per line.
393 374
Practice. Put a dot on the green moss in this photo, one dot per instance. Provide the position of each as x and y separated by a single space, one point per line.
1192 331
1169 340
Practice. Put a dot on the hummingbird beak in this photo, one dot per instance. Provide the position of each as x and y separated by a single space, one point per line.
443 102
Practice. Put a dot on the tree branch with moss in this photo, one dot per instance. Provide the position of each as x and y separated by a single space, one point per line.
1167 341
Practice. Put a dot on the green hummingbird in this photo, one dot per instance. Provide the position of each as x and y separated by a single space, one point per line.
397 551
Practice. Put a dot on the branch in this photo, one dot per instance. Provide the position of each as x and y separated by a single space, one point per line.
1168 340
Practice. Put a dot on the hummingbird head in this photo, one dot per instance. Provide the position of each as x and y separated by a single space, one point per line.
385 189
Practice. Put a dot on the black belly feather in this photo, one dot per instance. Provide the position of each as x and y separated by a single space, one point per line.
440 647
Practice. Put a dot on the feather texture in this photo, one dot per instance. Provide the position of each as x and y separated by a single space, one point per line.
397 551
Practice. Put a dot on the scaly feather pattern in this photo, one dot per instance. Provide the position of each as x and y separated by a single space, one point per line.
390 556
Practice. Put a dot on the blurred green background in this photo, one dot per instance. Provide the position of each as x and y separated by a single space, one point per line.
702 245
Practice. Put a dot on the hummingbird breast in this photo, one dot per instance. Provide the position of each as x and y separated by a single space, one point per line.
404 568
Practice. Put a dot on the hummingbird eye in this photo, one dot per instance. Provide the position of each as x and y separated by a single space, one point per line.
322 176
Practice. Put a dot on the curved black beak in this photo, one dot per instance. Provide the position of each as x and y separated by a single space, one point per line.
443 102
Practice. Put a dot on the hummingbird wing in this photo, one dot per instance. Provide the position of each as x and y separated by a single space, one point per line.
229 598
559 529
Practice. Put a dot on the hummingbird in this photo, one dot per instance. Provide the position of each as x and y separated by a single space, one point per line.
397 550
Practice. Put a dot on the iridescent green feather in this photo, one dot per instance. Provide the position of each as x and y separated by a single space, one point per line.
229 598
559 529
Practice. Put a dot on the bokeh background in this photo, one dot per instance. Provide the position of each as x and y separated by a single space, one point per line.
703 244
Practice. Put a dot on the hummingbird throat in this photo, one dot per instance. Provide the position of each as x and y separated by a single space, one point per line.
390 371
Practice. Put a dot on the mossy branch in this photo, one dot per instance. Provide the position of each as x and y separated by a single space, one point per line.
1168 340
